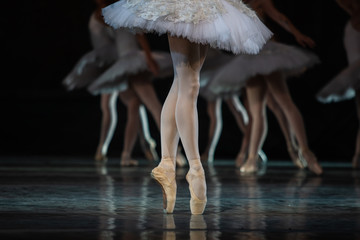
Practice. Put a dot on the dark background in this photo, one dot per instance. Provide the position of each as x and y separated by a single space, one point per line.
42 40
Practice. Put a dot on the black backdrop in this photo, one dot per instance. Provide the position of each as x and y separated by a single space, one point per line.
43 39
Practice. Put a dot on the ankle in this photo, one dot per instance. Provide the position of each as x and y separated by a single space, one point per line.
167 163
195 165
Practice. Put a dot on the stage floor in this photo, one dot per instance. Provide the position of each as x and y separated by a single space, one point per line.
72 198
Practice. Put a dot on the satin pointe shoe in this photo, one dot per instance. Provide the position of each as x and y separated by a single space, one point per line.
309 158
100 158
149 149
250 166
294 155
168 187
240 160
197 206
127 161
262 163
356 162
257 165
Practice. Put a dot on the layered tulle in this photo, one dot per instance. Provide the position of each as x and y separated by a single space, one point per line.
230 25
90 67
117 76
274 57
215 60
343 86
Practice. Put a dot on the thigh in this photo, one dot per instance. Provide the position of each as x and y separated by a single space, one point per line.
128 96
278 88
256 90
185 52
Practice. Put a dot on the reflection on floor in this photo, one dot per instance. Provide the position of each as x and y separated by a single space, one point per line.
72 198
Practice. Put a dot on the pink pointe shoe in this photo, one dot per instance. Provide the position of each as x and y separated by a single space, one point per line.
197 205
168 187
309 158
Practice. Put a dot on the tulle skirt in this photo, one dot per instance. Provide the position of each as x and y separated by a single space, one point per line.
230 78
90 67
117 76
343 86
223 24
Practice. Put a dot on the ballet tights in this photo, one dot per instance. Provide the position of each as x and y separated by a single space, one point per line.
108 122
277 86
132 127
179 118
256 95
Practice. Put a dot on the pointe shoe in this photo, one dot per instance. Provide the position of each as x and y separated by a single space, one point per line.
356 162
309 158
197 206
128 162
255 165
168 187
100 158
149 150
240 160
250 165
294 155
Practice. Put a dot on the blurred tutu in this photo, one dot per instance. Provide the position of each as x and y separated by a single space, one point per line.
115 57
273 57
224 24
90 67
343 86
215 60
117 76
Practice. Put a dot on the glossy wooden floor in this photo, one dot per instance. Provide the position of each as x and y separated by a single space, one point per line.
72 198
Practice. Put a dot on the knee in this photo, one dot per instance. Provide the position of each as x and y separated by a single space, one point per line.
133 104
190 89
105 107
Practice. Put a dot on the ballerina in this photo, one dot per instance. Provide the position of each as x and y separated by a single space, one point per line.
346 85
265 74
191 26
214 97
100 72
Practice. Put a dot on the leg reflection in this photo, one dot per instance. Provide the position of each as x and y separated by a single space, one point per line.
106 204
198 227
215 191
169 227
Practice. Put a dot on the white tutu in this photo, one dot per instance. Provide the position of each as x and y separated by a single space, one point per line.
116 77
90 67
224 24
273 57
343 86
